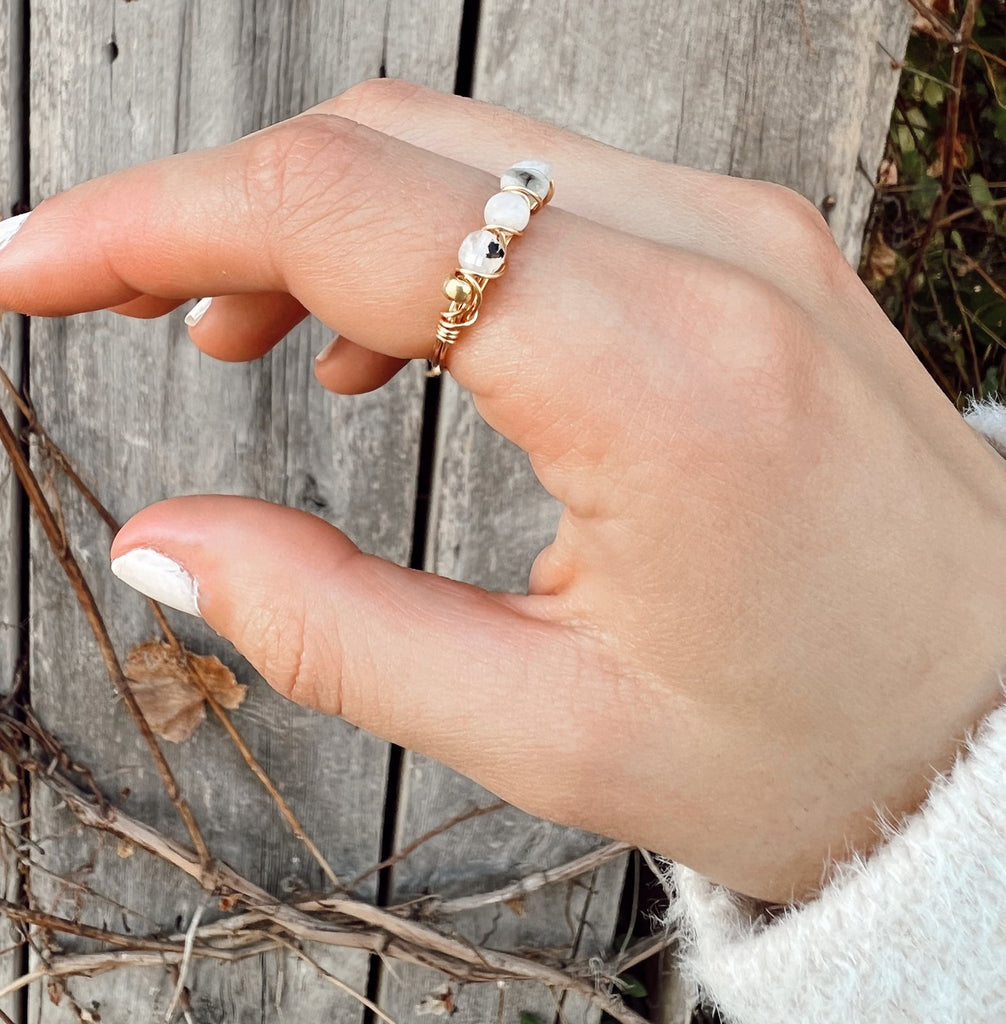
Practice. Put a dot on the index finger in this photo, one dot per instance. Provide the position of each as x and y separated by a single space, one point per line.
362 229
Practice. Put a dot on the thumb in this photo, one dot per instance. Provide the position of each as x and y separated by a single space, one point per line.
432 664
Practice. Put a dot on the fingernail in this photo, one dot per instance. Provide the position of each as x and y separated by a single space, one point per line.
197 312
157 576
327 350
10 227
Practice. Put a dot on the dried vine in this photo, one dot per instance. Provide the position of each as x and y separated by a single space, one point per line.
257 922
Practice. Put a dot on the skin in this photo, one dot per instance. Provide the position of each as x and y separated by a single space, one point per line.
768 612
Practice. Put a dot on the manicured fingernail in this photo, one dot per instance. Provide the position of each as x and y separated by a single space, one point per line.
157 576
327 350
10 227
197 312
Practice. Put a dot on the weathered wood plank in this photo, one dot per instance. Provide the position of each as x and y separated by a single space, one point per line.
696 87
12 73
797 93
144 415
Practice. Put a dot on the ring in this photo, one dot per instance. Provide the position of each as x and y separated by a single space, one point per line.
524 189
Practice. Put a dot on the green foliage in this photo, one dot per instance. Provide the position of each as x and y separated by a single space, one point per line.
630 985
527 1017
949 300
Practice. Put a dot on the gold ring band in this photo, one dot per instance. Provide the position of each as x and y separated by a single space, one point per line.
524 189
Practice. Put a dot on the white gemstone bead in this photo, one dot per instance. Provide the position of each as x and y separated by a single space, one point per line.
508 210
481 253
534 175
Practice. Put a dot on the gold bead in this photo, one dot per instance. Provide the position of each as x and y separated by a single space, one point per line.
457 290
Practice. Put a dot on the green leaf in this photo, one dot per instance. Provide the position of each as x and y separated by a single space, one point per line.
980 191
631 986
932 94
958 242
917 117
997 115
913 167
994 316
922 197
527 1017
981 196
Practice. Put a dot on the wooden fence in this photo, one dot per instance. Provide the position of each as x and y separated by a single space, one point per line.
796 91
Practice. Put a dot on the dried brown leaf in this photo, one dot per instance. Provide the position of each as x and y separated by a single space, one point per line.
960 157
943 8
171 701
887 175
437 1004
881 261
56 989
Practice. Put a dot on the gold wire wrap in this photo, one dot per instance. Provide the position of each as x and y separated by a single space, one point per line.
464 312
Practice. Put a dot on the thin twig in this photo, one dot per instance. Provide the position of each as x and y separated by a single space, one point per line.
404 852
967 212
529 884
183 967
337 982
951 119
285 810
32 425
636 885
658 873
947 31
54 452
987 55
970 265
406 939
51 922
70 566
89 965
965 323
640 951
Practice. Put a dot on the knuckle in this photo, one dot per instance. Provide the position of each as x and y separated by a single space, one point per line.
291 166
375 98
793 211
766 350
289 654
797 229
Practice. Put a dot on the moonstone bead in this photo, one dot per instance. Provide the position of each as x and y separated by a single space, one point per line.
481 253
534 175
508 210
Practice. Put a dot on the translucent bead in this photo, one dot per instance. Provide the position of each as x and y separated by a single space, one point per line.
508 210
481 253
534 175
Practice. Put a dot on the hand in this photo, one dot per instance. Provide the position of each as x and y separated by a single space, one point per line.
769 608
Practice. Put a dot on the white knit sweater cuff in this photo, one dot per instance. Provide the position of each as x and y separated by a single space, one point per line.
915 933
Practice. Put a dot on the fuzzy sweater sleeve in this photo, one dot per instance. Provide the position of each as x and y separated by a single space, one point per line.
914 934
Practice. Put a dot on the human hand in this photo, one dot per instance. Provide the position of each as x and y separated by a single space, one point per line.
768 608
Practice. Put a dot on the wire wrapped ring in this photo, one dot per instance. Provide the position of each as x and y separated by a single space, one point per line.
524 189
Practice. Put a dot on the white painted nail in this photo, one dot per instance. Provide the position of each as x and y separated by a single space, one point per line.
10 227
157 576
327 350
197 312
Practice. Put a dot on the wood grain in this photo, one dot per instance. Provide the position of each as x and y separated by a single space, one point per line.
754 88
12 72
144 415
797 93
